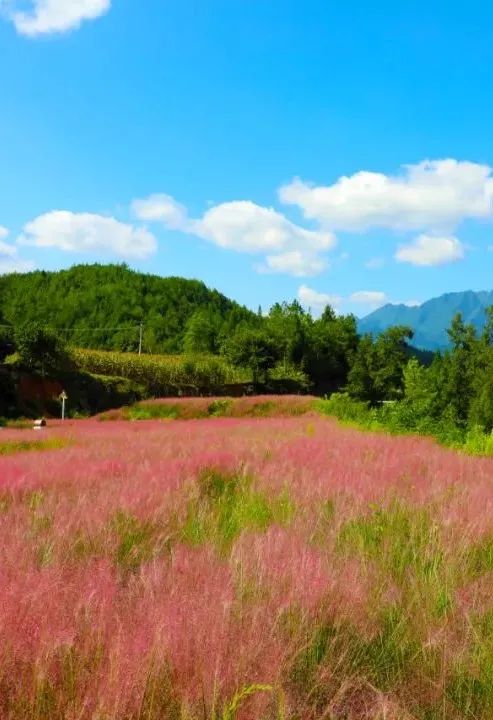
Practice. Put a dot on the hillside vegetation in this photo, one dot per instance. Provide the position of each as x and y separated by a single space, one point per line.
101 306
285 350
161 374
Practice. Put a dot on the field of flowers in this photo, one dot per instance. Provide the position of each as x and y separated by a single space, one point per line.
263 568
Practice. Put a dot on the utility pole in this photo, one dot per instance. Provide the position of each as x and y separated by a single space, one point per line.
141 334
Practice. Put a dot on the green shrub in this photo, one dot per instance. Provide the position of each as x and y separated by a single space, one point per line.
398 417
152 411
40 349
343 407
477 442
220 407
289 372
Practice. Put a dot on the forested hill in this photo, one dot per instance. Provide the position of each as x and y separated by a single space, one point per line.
431 320
102 306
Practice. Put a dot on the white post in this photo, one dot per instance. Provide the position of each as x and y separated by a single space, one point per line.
140 337
63 398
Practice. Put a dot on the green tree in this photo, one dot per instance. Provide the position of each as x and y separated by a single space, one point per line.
418 408
202 333
331 346
481 405
391 350
39 348
289 325
377 372
7 345
360 383
460 367
255 349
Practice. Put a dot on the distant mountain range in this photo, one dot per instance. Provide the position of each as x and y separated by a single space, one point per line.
430 320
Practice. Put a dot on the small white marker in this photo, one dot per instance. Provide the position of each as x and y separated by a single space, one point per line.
63 397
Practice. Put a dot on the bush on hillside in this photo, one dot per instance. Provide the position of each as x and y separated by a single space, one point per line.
40 349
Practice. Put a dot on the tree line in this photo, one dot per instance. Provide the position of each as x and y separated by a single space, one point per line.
102 306
325 355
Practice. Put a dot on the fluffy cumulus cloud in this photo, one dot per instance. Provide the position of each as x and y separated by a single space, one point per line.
428 250
246 227
432 197
435 195
55 16
4 232
161 208
295 262
86 232
7 250
311 298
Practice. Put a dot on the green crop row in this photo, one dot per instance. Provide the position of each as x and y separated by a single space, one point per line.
161 374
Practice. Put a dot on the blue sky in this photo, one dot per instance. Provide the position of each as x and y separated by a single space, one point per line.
323 150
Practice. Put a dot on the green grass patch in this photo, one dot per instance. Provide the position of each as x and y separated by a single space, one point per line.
225 504
405 544
399 538
11 447
478 558
345 657
154 411
137 541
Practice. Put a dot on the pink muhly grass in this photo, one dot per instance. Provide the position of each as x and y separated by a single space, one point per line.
103 604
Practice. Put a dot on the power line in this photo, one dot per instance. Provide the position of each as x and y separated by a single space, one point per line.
105 329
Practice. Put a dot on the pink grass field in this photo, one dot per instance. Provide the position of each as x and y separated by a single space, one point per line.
163 570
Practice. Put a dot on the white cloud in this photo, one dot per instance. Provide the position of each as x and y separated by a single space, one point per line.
435 195
56 16
4 232
368 299
161 208
317 300
85 232
246 227
7 250
294 262
428 250
372 298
